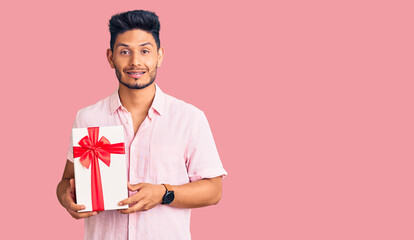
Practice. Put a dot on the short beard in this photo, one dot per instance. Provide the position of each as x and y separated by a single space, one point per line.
136 85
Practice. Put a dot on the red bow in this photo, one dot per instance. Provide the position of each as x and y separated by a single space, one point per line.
90 151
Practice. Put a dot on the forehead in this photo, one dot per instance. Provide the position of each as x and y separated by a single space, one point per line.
134 37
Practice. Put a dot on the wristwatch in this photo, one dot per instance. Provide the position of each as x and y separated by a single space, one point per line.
169 194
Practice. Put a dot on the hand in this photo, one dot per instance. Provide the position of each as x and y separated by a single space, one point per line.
71 206
147 196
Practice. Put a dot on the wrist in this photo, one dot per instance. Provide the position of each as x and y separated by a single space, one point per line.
169 196
162 193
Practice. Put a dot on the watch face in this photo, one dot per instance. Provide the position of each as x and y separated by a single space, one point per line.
169 197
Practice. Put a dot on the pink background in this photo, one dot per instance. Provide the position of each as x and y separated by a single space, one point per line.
310 103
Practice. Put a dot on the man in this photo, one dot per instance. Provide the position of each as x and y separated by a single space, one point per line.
167 141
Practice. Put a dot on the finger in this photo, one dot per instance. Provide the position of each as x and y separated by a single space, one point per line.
70 196
131 200
79 215
72 184
75 207
68 191
135 208
135 187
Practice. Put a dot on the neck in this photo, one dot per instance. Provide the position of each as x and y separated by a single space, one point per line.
137 100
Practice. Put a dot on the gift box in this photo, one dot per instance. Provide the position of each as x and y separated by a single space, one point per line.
100 167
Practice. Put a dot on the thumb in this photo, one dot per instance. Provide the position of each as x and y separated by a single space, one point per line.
134 187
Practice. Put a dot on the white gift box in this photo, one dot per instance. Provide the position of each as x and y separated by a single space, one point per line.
95 149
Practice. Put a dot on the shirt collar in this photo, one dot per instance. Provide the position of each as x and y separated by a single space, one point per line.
157 103
159 100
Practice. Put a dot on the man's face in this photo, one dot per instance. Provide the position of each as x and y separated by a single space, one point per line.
135 58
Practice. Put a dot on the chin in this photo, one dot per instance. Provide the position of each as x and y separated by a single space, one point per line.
137 84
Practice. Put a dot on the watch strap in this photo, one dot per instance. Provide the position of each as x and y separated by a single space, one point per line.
168 187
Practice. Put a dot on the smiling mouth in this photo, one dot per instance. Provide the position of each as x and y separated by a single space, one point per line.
136 74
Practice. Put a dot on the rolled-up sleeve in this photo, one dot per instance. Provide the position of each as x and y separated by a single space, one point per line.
203 160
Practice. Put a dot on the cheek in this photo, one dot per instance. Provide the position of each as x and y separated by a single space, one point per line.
152 62
119 67
120 63
154 66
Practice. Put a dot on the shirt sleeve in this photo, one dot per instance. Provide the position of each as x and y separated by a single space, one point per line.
70 150
203 158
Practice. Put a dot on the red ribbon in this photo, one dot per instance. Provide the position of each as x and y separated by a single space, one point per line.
90 151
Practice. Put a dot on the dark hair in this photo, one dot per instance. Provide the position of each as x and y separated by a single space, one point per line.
137 19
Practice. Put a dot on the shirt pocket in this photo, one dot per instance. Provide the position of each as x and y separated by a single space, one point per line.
167 164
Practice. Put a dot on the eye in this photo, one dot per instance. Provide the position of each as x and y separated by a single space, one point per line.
145 51
124 52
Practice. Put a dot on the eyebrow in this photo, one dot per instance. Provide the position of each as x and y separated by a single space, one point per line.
126 45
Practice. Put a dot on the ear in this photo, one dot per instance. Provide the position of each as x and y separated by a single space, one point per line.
109 57
161 52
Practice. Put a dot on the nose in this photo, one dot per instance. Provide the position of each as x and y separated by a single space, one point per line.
135 60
